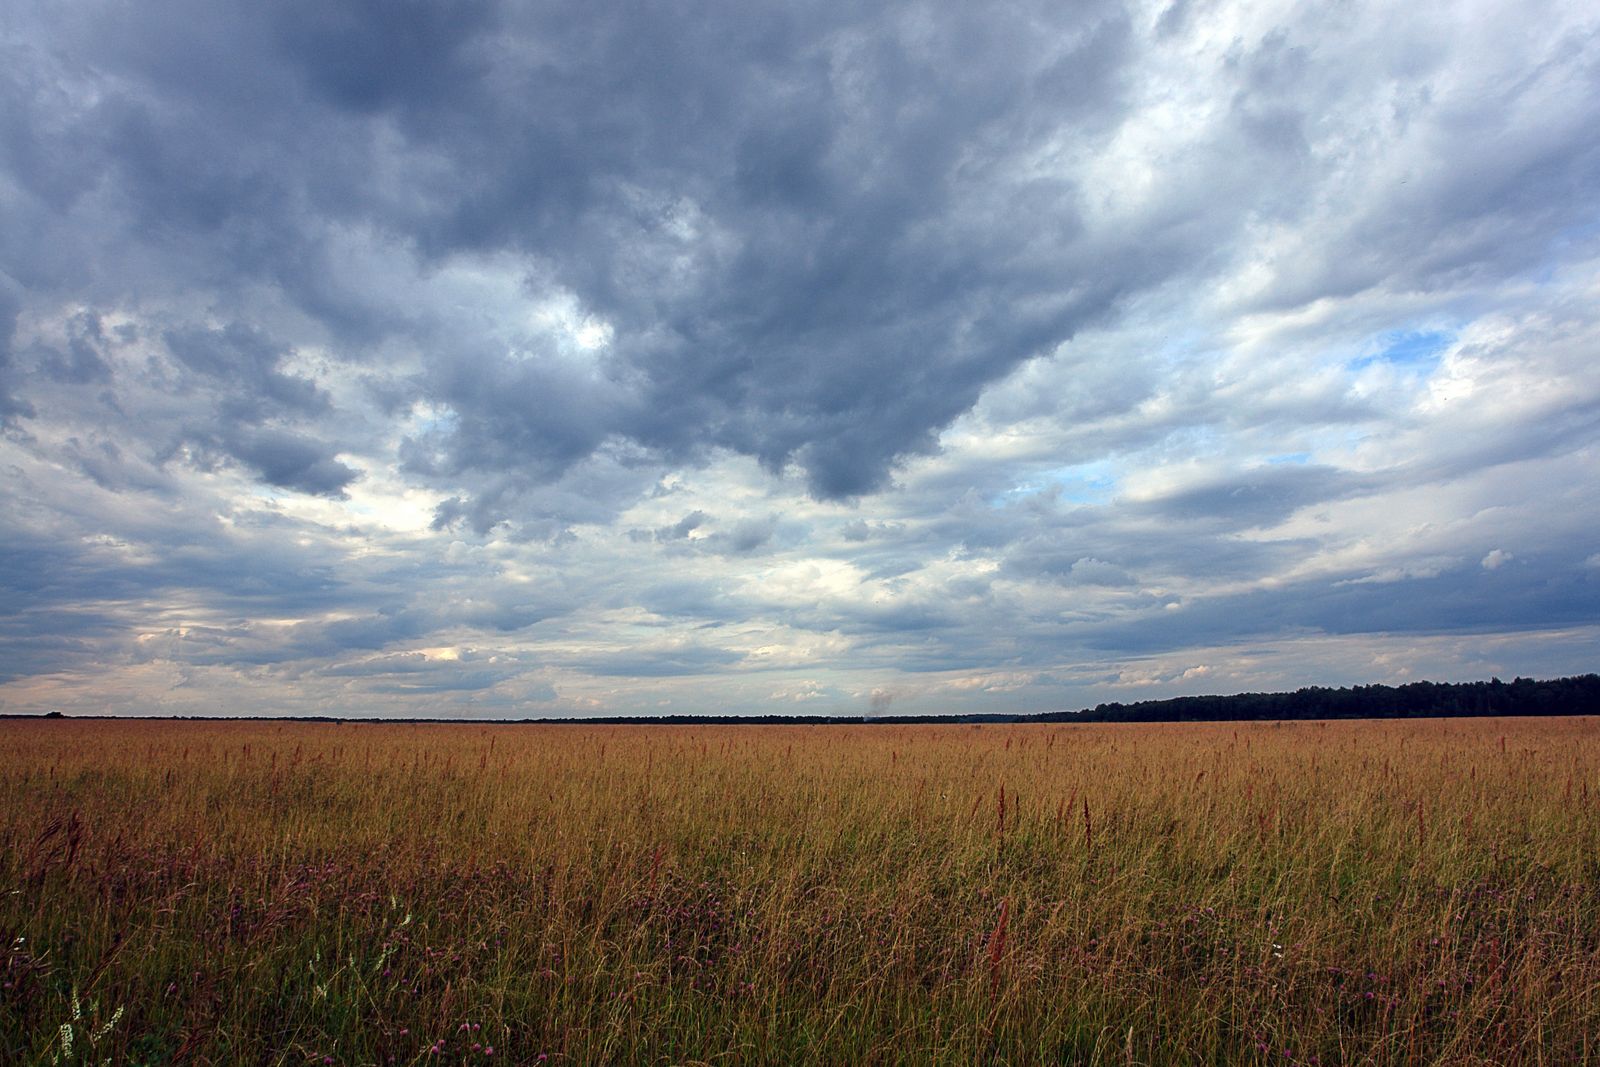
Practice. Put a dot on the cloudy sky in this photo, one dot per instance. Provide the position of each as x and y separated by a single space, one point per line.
551 359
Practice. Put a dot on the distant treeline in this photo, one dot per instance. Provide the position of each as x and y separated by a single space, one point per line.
1522 696
1579 695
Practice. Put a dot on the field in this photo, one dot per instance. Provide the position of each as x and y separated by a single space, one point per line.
1311 893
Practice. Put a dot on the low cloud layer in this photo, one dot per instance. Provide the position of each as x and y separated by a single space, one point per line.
559 360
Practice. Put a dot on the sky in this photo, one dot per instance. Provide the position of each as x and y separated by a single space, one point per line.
481 360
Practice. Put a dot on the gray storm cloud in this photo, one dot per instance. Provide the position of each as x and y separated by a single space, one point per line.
619 358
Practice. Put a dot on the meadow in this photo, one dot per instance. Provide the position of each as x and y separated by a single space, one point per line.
1405 892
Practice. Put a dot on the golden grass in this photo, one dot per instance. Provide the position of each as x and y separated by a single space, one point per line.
1381 892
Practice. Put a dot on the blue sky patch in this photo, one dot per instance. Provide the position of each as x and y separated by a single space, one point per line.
1407 349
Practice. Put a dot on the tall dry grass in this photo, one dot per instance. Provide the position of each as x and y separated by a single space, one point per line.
1395 892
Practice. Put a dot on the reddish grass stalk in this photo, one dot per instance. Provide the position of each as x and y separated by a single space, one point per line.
655 868
997 944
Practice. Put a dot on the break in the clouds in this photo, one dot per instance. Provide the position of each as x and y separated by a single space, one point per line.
558 358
